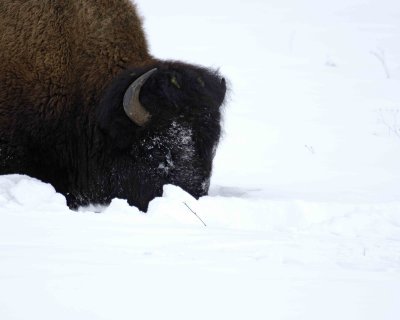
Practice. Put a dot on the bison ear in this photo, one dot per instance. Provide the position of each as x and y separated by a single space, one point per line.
132 105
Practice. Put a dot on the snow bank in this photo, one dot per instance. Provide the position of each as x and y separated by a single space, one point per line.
241 212
25 193
256 258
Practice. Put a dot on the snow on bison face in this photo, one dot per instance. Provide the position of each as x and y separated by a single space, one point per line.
162 125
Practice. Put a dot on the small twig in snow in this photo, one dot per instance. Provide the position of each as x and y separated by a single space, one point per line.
310 148
195 214
380 55
392 126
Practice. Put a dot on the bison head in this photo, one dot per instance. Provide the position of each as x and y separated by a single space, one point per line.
162 125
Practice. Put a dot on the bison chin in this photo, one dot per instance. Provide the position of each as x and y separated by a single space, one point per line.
161 124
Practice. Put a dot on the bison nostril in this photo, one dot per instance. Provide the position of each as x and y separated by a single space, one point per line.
223 82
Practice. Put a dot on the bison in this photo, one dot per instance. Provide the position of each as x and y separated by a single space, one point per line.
86 107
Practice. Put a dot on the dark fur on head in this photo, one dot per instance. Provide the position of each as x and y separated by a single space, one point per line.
175 92
178 144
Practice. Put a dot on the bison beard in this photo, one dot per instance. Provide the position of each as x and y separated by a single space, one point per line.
67 70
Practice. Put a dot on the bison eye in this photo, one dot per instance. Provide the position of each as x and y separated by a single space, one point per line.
201 81
175 82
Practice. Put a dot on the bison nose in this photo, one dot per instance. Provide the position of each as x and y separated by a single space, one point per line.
223 82
222 90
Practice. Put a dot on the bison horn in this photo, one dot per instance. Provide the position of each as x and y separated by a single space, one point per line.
132 106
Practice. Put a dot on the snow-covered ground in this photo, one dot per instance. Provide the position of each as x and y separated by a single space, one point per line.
303 216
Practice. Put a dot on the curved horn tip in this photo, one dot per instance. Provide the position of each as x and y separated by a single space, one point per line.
132 105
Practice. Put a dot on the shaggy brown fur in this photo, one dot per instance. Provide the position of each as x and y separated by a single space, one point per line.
55 51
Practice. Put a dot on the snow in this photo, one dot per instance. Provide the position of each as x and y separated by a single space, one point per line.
256 258
303 215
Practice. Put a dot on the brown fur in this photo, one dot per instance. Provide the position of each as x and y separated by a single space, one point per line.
57 52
